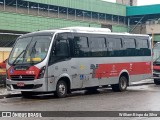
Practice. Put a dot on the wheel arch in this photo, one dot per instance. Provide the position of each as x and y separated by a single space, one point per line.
126 74
66 78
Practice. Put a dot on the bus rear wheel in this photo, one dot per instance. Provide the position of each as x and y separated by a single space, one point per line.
61 89
121 86
157 81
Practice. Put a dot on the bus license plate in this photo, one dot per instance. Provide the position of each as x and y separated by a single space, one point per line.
20 84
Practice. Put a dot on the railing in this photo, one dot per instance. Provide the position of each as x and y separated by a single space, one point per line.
53 14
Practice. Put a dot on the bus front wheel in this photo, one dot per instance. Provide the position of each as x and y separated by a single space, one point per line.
121 86
61 89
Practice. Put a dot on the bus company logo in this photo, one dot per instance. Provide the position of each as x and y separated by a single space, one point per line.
20 77
11 71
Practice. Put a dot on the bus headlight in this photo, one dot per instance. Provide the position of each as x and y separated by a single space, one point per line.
41 73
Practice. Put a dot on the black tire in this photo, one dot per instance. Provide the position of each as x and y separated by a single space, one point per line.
157 81
121 86
61 89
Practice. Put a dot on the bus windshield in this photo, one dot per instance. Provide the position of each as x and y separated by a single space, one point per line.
156 52
30 50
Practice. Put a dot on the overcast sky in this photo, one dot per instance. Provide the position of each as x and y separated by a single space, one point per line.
142 2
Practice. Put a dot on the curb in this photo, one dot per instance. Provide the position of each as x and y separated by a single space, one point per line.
10 96
142 82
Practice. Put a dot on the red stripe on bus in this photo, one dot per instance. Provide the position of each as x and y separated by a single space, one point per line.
31 71
114 69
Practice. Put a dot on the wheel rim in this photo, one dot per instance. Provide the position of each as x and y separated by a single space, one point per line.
123 83
62 89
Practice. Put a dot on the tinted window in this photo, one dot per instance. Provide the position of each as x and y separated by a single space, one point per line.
129 43
81 46
142 43
143 47
62 48
129 46
97 43
81 42
114 44
97 46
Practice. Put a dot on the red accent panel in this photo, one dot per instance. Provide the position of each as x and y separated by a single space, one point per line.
114 69
31 71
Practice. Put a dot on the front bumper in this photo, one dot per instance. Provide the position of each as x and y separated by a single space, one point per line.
38 85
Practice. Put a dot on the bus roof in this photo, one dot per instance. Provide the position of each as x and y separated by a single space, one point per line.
90 30
87 29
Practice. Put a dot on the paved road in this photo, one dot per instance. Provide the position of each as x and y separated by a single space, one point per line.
136 98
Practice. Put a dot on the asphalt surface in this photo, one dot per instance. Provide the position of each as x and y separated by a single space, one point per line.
136 98
143 97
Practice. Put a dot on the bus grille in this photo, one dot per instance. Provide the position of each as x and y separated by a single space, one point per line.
157 71
22 77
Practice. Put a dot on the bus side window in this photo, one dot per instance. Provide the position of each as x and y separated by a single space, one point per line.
81 46
143 47
62 49
97 46
114 46
129 46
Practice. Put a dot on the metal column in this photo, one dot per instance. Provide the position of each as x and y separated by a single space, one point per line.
28 7
128 24
4 7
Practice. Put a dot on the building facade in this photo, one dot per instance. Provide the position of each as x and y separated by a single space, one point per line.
22 16
127 2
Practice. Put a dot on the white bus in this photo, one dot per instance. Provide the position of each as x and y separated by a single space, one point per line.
68 59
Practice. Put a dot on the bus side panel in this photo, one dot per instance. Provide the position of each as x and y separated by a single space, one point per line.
86 72
134 78
61 69
104 73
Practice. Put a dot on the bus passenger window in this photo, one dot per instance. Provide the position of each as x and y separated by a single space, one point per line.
114 46
81 46
62 48
129 46
144 47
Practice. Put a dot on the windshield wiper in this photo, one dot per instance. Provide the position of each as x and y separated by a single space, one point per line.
20 54
18 57
33 49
